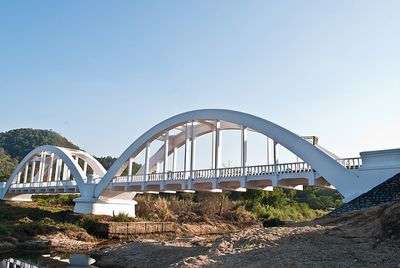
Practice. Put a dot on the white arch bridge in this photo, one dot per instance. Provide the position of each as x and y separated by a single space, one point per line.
54 170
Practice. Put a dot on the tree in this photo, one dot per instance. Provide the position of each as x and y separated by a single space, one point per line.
19 142
7 165
108 161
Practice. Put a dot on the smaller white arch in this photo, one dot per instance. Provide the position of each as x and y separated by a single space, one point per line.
67 156
97 168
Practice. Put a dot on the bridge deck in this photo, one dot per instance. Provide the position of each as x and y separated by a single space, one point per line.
231 178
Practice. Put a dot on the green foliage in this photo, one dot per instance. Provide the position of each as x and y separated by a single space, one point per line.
23 220
246 246
55 200
48 221
7 165
32 229
290 204
19 142
319 198
122 217
89 221
108 161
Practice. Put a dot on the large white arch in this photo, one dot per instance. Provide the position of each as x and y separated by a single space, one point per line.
178 141
326 166
66 155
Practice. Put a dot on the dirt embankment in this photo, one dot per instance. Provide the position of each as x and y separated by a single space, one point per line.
78 240
366 238
66 241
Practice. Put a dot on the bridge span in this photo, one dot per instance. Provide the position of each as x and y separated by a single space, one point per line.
54 170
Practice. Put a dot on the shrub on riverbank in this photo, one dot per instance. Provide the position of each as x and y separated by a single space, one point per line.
282 204
58 201
202 207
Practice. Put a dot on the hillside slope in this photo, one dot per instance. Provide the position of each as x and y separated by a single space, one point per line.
19 142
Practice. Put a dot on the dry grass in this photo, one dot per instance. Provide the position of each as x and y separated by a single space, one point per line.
203 207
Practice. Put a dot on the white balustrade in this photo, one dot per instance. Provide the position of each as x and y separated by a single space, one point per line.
260 170
351 163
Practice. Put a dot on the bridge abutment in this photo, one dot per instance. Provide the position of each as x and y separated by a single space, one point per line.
109 203
104 206
377 167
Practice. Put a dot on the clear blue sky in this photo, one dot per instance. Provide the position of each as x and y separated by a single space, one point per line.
103 72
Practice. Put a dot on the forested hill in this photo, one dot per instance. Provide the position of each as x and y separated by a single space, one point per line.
19 142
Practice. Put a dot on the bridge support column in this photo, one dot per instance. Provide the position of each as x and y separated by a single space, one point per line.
26 172
192 154
217 148
243 150
50 170
33 170
174 156
186 152
275 179
108 207
146 162
165 163
130 168
110 203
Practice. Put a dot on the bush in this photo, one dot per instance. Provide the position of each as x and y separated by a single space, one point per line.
34 228
163 211
241 215
88 222
55 200
47 221
122 217
296 211
152 208
145 206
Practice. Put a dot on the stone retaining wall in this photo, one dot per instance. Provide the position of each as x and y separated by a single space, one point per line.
119 230
385 192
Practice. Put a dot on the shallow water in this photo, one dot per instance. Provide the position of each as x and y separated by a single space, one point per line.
40 260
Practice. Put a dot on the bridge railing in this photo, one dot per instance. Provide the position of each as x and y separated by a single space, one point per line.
351 163
203 174
295 167
45 184
229 172
259 170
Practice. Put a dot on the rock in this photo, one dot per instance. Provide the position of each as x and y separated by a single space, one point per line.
25 220
273 222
